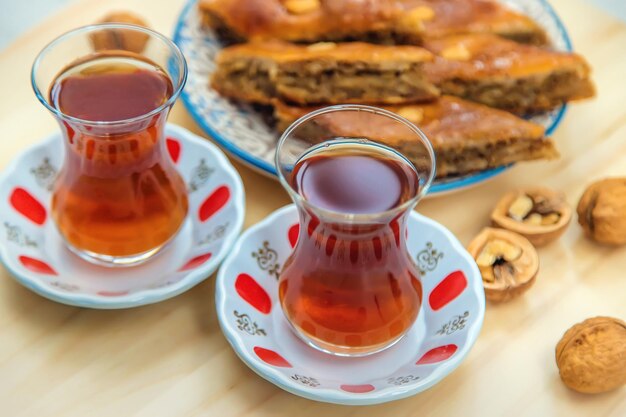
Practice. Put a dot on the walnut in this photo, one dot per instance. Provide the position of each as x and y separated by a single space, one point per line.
602 211
507 261
539 214
301 6
119 38
591 356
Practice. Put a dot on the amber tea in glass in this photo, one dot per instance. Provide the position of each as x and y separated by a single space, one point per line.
350 287
117 198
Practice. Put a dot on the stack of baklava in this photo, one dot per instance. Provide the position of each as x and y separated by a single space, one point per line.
464 71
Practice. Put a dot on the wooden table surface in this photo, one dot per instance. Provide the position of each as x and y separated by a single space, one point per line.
171 359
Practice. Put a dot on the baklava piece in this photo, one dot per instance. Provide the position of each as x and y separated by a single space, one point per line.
379 21
466 137
507 75
323 73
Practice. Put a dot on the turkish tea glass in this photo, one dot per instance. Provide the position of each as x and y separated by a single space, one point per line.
117 199
350 286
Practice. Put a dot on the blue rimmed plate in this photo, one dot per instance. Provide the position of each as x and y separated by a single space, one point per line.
243 133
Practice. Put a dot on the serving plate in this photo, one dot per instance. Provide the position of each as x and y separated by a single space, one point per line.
33 251
243 132
447 326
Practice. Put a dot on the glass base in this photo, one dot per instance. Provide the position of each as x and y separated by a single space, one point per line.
344 351
114 261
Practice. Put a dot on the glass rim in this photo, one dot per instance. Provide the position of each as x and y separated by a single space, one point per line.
299 198
90 28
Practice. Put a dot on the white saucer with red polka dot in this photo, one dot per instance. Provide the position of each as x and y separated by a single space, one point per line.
447 326
33 252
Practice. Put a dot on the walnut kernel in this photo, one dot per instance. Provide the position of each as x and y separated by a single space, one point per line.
534 219
520 207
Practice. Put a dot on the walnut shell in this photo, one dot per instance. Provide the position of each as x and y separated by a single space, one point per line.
119 38
542 214
591 355
602 211
508 263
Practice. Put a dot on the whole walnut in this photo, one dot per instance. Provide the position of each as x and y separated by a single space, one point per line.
602 211
591 355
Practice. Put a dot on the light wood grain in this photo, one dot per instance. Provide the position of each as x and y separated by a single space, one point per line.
171 359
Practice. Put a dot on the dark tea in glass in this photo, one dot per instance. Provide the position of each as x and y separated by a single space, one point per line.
118 198
350 286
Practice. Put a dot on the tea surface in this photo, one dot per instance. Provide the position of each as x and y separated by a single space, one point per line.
354 179
110 88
